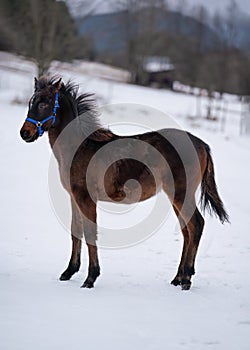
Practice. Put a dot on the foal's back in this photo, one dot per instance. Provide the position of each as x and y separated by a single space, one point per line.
134 168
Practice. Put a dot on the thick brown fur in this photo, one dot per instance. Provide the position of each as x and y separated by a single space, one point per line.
171 160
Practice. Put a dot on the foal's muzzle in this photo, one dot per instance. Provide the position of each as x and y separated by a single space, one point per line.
28 132
26 136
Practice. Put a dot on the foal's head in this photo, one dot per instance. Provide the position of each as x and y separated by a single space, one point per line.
42 109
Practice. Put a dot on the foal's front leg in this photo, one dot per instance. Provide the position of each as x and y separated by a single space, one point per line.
76 235
90 234
88 211
94 268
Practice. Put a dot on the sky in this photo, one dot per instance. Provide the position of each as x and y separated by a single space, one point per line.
214 5
211 5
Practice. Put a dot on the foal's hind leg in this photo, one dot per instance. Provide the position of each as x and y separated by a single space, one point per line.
194 223
76 235
178 278
195 228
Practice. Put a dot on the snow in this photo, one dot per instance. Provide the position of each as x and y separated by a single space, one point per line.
132 306
155 64
94 69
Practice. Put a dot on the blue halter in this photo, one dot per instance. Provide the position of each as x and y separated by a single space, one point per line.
39 124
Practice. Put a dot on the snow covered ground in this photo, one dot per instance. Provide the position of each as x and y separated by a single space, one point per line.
133 306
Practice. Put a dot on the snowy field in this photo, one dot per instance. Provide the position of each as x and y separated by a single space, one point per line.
132 306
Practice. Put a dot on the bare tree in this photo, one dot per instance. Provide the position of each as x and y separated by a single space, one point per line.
181 8
231 22
200 74
201 15
44 32
41 29
140 28
228 59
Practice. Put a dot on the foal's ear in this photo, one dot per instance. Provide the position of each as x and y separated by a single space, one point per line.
36 83
58 84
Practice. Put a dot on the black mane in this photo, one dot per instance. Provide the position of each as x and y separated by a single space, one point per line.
82 103
83 107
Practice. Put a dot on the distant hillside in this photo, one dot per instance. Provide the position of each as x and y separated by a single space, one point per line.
208 56
108 31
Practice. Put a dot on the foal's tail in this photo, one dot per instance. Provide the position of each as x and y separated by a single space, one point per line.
209 195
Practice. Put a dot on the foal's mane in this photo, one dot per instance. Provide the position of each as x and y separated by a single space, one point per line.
84 108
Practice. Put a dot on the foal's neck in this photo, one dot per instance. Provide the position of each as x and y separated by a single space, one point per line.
65 135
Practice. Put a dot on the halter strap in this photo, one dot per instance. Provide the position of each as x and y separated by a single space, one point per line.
40 123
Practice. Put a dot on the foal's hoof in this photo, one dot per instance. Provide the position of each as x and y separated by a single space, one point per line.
69 272
65 276
176 282
185 285
88 284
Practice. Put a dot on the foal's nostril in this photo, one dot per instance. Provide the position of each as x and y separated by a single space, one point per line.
25 134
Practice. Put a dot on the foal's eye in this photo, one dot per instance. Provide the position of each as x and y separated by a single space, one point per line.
41 105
